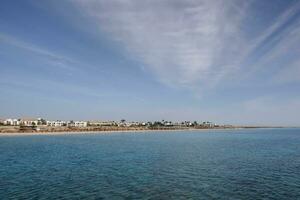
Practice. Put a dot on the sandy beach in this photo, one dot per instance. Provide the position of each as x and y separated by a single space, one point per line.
106 132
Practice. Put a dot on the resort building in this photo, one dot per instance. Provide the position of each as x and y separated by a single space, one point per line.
29 122
128 124
166 123
77 124
80 124
12 122
208 124
56 123
102 123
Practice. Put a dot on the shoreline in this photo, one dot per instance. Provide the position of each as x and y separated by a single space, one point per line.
101 132
80 132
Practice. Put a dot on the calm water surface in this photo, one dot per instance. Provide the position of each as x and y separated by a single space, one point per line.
239 164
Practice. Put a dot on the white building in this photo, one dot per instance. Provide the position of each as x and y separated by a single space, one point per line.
56 123
208 124
12 122
102 123
77 123
29 122
168 123
80 124
18 122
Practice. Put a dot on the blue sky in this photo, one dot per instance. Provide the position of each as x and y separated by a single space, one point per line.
229 61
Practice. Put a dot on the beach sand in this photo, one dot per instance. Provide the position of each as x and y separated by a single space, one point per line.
105 132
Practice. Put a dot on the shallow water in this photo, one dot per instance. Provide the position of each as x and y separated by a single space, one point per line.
215 164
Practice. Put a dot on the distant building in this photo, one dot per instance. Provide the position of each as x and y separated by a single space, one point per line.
166 123
102 123
208 124
42 121
128 124
80 124
29 122
56 123
186 123
12 122
77 124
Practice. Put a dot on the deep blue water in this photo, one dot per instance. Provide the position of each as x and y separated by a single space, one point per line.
231 164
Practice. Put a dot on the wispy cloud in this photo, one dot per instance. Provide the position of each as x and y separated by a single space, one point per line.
192 44
278 45
52 58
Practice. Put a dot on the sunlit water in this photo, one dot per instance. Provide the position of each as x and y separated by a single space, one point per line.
230 164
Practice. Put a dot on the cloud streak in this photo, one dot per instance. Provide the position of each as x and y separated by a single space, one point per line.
51 57
193 44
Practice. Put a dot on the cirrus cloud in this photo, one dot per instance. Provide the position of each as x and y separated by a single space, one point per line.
193 44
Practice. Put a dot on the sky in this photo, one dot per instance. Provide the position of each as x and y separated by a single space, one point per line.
230 61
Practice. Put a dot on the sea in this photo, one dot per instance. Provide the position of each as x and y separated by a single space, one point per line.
206 164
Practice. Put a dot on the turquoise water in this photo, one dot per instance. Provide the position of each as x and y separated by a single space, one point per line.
238 164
